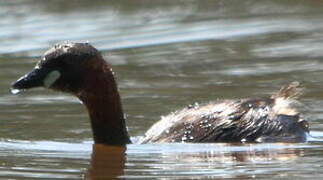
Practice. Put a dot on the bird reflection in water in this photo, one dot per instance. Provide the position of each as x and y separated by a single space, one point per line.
110 162
106 162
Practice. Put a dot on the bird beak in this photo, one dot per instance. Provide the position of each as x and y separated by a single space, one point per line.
33 79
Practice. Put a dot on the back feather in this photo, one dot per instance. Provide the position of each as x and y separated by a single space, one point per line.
285 99
292 91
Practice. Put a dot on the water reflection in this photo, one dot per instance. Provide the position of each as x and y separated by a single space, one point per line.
252 155
187 160
106 162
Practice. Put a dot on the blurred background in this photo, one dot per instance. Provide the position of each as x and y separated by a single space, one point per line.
166 54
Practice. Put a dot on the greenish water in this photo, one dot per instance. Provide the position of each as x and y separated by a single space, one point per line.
167 54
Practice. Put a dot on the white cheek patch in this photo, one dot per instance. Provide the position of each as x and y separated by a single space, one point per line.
51 78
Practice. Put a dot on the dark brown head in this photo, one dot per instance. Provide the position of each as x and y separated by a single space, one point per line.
63 68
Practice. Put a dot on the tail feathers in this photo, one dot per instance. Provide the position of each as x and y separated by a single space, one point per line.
291 91
285 99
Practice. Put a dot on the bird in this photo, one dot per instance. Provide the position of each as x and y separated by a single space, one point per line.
80 69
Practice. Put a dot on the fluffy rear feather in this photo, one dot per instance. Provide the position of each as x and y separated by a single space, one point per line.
285 99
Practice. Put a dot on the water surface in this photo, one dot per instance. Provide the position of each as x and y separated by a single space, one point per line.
167 54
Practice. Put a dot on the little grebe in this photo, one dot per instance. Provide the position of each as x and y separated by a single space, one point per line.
79 69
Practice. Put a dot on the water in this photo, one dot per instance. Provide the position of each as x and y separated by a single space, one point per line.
167 55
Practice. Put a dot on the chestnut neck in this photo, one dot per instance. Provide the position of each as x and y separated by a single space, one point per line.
102 100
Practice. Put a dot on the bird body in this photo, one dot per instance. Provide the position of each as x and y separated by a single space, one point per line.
244 120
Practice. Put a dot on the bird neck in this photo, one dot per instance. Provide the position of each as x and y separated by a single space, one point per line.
102 100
